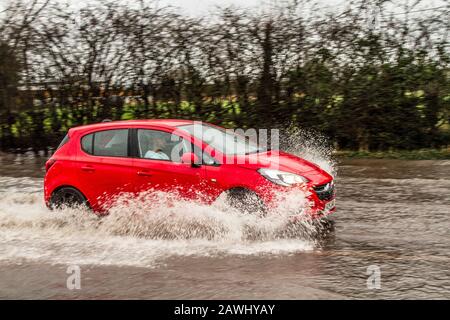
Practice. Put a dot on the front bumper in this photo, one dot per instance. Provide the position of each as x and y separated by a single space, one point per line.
320 199
328 208
323 202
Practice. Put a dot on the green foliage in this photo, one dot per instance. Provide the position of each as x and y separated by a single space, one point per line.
369 89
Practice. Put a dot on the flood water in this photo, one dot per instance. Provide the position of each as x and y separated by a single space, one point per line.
392 216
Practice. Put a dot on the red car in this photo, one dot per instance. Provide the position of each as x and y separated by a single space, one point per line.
96 163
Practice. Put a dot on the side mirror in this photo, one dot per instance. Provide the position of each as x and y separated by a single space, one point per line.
190 158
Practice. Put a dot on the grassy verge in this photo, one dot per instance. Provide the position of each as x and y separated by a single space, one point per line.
422 154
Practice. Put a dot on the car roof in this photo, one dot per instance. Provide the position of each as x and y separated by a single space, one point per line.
171 123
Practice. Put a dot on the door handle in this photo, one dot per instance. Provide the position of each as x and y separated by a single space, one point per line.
144 173
87 168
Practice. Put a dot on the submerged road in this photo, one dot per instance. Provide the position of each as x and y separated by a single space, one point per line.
392 221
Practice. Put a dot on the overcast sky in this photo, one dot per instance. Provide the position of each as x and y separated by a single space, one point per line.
202 7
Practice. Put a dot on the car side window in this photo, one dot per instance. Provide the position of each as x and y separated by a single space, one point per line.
86 143
109 143
160 145
207 159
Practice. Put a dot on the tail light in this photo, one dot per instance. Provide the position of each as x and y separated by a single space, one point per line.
50 162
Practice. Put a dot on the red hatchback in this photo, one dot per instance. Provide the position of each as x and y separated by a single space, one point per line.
96 163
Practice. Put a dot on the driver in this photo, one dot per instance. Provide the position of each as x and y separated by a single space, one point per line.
156 151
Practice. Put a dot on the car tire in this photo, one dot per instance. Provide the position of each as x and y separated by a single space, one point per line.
67 197
246 201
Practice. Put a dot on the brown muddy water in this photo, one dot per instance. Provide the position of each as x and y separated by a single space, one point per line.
393 216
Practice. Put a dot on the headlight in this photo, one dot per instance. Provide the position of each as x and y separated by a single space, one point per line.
281 177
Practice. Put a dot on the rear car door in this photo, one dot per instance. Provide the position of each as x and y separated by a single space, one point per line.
158 164
105 167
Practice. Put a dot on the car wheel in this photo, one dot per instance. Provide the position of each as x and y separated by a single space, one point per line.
67 197
246 202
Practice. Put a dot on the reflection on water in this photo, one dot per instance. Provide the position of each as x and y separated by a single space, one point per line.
391 213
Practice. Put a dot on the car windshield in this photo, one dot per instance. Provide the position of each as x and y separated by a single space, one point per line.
225 141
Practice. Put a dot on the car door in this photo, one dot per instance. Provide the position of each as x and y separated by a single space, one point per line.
158 164
105 168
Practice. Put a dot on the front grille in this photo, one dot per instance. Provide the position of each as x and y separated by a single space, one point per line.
325 191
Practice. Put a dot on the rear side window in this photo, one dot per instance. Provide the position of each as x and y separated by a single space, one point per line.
86 143
109 143
64 141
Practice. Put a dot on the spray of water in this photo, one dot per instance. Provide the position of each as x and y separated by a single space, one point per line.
139 233
310 145
143 231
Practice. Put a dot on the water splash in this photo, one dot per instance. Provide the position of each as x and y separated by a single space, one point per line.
146 230
310 145
154 215
140 233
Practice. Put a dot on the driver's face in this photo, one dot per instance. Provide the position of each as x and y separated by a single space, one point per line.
159 142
